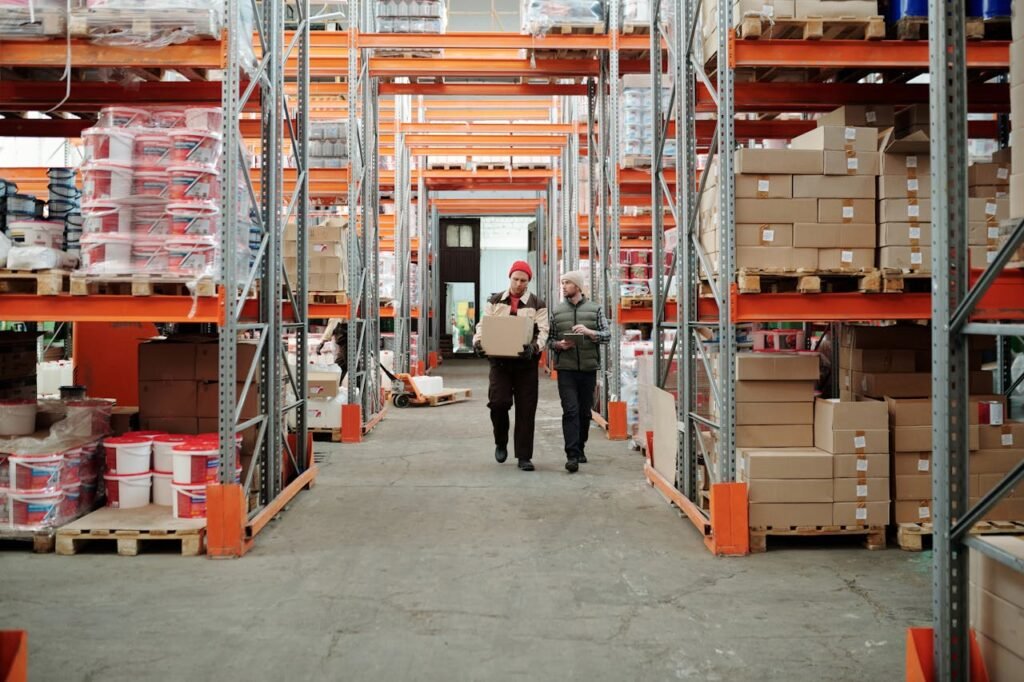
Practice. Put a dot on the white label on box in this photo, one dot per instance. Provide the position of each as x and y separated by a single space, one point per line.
870 116
993 233
923 465
860 442
846 256
995 413
848 212
768 235
1003 173
768 10
914 211
924 513
851 163
862 513
764 185
915 232
913 184
862 490
990 256
862 465
850 133
916 258
1007 440
911 162
991 208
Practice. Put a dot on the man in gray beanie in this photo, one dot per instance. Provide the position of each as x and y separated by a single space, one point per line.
578 327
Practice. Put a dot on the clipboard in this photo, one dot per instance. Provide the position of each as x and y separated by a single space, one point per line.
575 338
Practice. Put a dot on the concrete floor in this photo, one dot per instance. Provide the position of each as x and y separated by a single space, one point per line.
416 557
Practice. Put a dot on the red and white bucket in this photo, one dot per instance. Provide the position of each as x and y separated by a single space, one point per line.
151 182
189 501
204 118
197 218
153 148
115 145
35 510
36 473
163 493
200 147
195 463
46 233
105 216
18 417
107 253
194 183
149 254
104 181
148 435
71 472
191 255
128 455
5 475
123 117
163 450
151 220
167 118
71 505
128 492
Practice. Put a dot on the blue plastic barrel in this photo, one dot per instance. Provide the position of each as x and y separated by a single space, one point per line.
989 9
900 9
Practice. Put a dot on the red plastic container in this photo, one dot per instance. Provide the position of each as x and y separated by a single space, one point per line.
153 148
71 472
152 182
194 183
36 510
198 147
37 473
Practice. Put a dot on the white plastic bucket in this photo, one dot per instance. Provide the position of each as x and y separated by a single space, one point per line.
196 146
194 183
89 417
167 118
148 435
163 451
122 117
18 417
35 510
197 218
195 463
128 455
150 221
102 181
149 254
189 501
109 144
191 255
204 118
128 492
153 148
151 182
48 234
105 216
107 253
163 493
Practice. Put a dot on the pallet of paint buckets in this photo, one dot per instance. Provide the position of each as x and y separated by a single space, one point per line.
874 536
126 530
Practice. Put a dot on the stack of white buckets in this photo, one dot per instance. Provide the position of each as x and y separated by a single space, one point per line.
169 470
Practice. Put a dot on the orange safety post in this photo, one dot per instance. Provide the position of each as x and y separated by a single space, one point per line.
225 520
920 657
351 423
14 656
650 447
730 519
617 425
432 359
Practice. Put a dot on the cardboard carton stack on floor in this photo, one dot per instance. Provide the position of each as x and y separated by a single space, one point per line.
787 487
996 599
843 232
856 434
775 399
328 254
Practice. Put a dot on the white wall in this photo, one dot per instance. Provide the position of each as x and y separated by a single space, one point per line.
503 240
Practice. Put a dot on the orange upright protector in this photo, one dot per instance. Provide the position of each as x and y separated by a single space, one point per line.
617 421
351 424
13 656
225 520
730 516
920 657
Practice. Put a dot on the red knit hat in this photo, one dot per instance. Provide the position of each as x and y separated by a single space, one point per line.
521 266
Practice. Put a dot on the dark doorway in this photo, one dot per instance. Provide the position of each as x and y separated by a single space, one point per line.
460 284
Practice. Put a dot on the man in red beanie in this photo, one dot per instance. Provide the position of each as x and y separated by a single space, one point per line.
514 380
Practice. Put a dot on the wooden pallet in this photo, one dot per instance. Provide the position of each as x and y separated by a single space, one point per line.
636 302
874 536
754 26
865 281
127 529
638 29
448 396
577 29
531 165
447 166
916 28
35 282
147 24
42 540
900 282
912 537
636 161
141 285
491 166
408 54
47 23
328 297
332 435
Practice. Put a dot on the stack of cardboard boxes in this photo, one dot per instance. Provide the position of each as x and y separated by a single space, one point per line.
328 255
775 399
905 211
875 362
1000 449
787 487
996 599
17 366
988 208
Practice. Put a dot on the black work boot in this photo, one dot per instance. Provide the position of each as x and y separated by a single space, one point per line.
525 465
581 458
572 465
500 453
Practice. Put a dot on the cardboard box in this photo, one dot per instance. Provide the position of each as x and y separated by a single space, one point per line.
906 258
776 257
989 191
984 234
860 489
919 438
774 234
860 513
1016 60
996 577
834 236
208 361
505 335
324 413
846 259
913 486
786 515
914 140
167 361
912 511
794 161
834 187
1017 195
876 360
123 420
918 165
914 116
905 234
994 461
877 116
783 463
323 385
774 391
909 411
790 490
1010 509
987 210
838 138
208 399
776 210
844 211
838 9
897 385
852 466
988 482
844 428
168 399
777 366
1001 625
904 211
858 163
186 426
988 174
775 436
753 414
904 187
764 186
209 425
1007 435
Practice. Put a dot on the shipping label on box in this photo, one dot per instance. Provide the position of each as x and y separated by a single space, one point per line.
912 463
764 186
988 174
905 234
990 211
323 384
907 165
833 187
912 258
853 466
1006 435
860 489
791 490
905 211
846 259
913 511
845 211
904 186
860 514
874 116
768 234
777 366
851 163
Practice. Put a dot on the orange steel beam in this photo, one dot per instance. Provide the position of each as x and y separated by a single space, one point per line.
29 308
464 89
267 514
477 129
199 54
469 114
497 103
466 138
431 150
479 66
503 41
856 54
489 206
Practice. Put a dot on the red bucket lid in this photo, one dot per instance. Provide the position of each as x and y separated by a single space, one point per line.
196 446
150 435
172 438
125 440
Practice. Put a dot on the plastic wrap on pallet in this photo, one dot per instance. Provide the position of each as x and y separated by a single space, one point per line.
32 18
39 258
540 17
637 127
638 12
411 16
328 144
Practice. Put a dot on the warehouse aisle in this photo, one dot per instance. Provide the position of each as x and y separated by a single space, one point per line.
417 557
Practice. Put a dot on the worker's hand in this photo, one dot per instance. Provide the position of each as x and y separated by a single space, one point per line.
581 329
530 351
320 348
479 350
564 345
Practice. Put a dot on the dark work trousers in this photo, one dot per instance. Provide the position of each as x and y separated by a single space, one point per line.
576 389
514 381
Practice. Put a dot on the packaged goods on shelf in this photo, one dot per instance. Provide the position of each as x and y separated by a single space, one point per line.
411 16
631 349
328 254
996 600
787 486
32 18
328 144
540 17
775 422
637 129
637 12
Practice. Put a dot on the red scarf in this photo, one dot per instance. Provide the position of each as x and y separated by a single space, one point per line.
514 301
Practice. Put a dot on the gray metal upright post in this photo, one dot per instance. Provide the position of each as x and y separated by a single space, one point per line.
726 250
356 177
657 199
614 153
440 316
682 21
593 247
